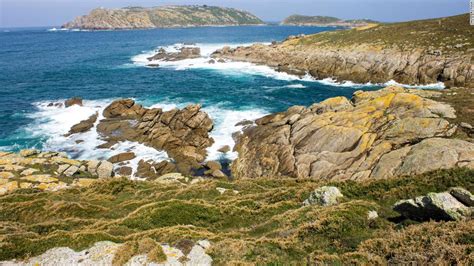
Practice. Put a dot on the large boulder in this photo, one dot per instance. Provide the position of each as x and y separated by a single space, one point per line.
324 196
73 101
455 204
105 169
84 125
379 134
183 134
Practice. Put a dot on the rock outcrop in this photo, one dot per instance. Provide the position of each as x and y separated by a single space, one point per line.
103 253
48 171
183 134
379 134
324 196
183 53
419 52
73 101
162 17
84 125
456 204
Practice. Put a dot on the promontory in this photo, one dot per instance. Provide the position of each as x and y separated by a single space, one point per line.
162 17
414 52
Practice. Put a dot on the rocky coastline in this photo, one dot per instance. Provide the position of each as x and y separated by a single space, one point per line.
345 169
416 53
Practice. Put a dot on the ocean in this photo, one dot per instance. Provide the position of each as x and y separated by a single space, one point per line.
39 66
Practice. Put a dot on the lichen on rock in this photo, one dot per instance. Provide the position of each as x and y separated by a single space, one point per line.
380 134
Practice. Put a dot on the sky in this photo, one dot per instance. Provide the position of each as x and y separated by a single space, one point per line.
26 13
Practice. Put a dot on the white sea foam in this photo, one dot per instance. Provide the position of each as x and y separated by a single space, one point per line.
225 121
52 123
66 30
433 86
291 86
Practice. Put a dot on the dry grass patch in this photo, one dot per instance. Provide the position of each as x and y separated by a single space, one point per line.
264 223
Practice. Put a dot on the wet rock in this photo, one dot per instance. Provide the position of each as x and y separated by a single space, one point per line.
324 196
126 156
244 123
153 65
213 165
105 169
183 134
379 134
434 206
184 53
107 145
224 149
212 61
73 101
55 104
83 126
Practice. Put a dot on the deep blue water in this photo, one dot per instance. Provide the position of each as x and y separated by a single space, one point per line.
40 66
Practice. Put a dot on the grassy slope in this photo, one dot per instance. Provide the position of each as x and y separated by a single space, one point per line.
263 223
436 34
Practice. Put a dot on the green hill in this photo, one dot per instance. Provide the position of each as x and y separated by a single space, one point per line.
163 17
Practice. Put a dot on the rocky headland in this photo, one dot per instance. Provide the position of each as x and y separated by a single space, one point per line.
375 135
325 21
416 52
162 17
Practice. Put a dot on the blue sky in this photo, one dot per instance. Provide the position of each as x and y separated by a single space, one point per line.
23 13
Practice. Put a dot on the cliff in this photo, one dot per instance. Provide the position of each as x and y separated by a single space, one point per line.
416 52
376 135
300 20
162 17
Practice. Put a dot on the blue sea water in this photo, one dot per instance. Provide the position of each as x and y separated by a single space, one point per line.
38 66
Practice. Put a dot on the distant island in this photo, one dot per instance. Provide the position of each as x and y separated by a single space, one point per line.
162 17
300 20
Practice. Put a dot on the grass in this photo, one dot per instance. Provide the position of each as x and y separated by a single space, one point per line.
264 223
441 34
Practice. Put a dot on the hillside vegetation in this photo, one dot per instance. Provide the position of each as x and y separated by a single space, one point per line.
448 35
163 17
253 221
